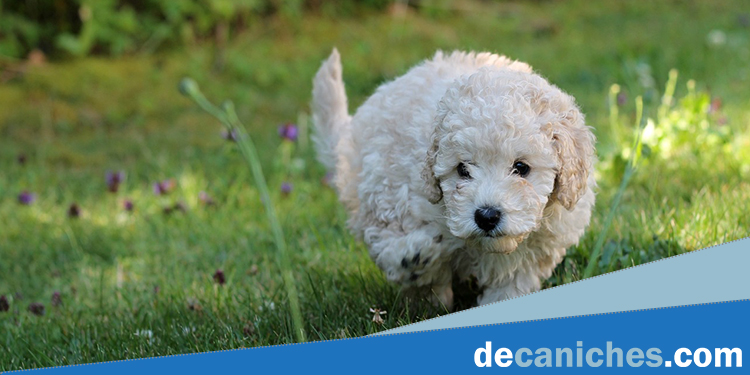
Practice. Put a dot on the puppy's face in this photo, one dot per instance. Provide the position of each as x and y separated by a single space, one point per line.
505 145
496 182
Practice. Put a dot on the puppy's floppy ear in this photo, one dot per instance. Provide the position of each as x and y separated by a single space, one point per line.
432 183
574 144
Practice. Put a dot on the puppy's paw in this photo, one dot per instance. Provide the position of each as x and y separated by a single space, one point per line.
414 264
419 259
414 260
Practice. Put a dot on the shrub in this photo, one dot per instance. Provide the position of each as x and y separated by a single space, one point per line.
114 27
686 132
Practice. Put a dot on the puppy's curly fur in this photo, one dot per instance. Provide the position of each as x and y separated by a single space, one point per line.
469 166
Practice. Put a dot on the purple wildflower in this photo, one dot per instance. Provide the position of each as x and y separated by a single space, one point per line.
163 187
26 198
219 277
229 135
288 132
36 308
168 185
128 205
4 305
114 179
74 211
622 98
286 188
56 299
157 188
206 199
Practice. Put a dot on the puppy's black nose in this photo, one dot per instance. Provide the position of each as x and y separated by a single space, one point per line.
487 218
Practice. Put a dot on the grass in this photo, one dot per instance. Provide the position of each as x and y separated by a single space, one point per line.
136 284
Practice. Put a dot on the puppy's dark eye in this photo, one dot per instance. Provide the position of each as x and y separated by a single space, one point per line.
463 172
520 168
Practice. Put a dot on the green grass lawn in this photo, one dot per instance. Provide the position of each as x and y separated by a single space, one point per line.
141 283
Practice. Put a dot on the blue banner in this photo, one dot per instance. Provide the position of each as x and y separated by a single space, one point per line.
700 338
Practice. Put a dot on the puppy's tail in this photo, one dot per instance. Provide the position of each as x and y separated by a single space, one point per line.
330 113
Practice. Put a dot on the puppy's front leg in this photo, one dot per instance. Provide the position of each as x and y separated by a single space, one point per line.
415 259
406 258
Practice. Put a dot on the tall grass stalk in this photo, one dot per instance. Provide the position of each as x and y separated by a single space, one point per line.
666 99
614 113
228 117
629 171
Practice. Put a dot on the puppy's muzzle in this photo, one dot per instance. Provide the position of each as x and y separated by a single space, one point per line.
487 218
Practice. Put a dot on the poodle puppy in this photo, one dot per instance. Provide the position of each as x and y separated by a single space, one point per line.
468 166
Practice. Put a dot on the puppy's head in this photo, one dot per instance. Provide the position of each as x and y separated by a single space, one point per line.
506 144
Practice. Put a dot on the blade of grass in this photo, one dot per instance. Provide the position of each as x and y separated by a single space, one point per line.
629 171
228 117
666 99
614 113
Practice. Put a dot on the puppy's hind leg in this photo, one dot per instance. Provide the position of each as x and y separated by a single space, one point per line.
522 283
442 288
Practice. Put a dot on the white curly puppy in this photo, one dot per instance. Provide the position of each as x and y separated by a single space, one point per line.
467 166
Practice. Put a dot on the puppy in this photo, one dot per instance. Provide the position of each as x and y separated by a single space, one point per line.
468 166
